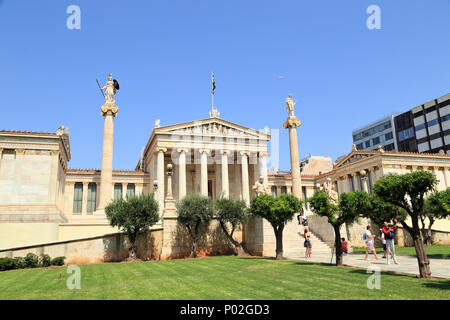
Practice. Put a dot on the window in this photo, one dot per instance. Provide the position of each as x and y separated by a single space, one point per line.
367 144
92 197
273 189
388 136
420 127
77 197
283 190
117 191
432 122
359 146
375 141
406 134
445 118
130 190
389 147
304 192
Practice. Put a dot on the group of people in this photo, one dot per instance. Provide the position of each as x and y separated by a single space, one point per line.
387 239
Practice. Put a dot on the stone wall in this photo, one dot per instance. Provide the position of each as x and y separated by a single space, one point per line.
212 240
321 229
106 248
403 238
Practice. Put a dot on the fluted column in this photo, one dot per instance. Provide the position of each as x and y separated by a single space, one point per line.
160 177
182 173
224 171
263 156
245 185
85 197
355 182
204 172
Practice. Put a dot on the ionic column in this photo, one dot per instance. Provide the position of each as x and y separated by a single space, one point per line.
245 185
124 190
109 111
224 171
355 182
444 172
85 197
263 156
292 123
204 172
182 173
160 178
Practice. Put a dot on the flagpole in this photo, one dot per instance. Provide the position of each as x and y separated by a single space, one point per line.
212 89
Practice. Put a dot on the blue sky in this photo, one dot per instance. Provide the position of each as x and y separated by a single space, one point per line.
342 74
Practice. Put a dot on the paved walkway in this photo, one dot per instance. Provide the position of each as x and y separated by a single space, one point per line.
408 264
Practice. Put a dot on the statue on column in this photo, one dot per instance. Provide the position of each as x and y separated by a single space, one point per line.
328 188
290 104
260 188
110 89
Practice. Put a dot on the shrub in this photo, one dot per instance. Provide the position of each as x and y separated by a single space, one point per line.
45 260
20 263
58 261
31 260
6 264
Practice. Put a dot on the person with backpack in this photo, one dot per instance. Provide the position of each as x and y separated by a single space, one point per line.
369 238
388 232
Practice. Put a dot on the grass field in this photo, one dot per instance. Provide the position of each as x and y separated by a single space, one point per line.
434 251
223 277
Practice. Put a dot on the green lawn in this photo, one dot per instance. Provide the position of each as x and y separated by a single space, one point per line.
434 251
223 277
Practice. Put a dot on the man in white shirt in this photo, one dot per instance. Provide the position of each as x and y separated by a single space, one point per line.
369 238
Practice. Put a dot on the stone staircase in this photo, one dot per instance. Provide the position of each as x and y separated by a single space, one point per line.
293 240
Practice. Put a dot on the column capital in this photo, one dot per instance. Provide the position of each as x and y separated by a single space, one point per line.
161 149
109 108
264 154
363 172
181 150
353 174
225 151
292 122
20 151
85 183
244 153
207 151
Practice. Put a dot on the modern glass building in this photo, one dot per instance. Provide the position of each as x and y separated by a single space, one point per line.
381 132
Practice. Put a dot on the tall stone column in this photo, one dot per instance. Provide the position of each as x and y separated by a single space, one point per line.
160 178
225 182
182 173
292 123
364 179
355 182
204 172
245 184
263 156
109 111
85 198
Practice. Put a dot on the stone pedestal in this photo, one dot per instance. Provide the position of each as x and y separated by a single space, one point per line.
292 123
109 111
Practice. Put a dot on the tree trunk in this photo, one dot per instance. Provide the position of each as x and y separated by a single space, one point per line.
132 251
194 246
240 250
338 245
422 259
279 240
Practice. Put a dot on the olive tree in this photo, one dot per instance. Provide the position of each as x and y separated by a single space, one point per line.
133 216
195 211
232 214
407 191
276 210
348 209
437 206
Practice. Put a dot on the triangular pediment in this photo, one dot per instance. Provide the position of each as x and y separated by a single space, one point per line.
354 156
213 127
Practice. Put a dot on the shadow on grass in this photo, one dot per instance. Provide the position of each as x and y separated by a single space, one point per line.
440 285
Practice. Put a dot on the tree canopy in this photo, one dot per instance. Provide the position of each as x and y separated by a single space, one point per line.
133 216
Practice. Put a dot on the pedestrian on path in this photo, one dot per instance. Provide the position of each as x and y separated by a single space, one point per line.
388 232
308 245
369 238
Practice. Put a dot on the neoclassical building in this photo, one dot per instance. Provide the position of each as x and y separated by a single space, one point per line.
43 201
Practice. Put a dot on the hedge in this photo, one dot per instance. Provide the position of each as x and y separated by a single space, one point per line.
30 261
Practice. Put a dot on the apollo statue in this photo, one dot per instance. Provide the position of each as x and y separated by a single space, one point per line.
290 104
110 90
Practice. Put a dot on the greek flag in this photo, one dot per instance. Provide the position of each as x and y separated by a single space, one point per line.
213 82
